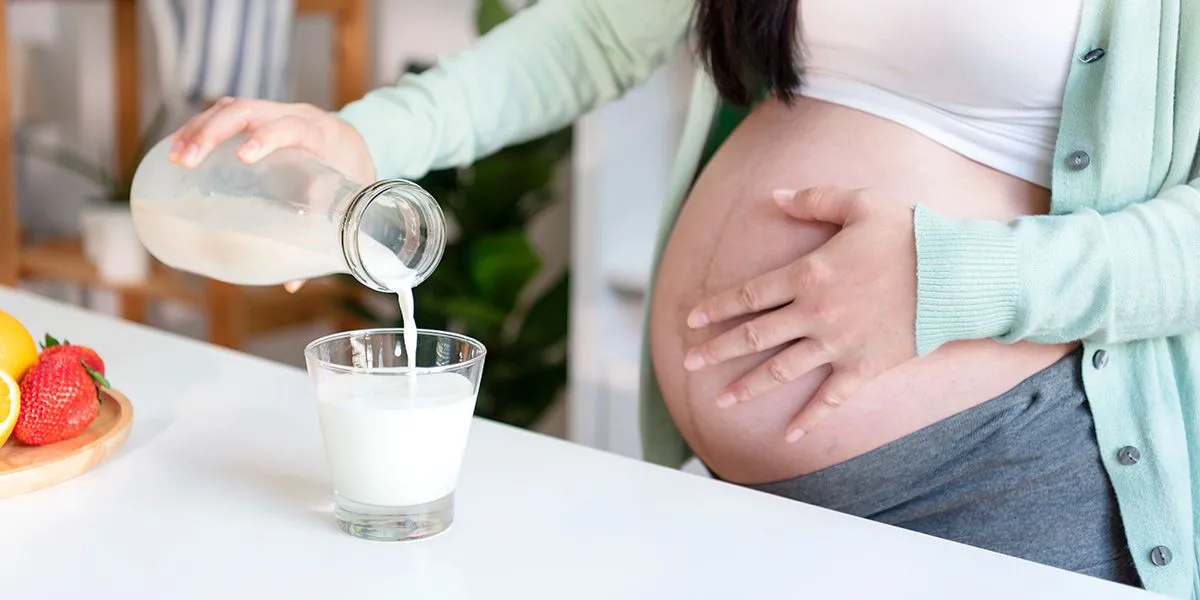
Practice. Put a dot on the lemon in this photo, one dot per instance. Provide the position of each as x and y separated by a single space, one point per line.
10 405
18 351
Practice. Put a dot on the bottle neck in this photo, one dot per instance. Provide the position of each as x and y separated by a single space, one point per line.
393 234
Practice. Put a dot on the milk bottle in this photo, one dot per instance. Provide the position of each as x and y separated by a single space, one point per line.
287 217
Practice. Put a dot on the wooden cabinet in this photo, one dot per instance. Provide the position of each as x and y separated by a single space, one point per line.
233 313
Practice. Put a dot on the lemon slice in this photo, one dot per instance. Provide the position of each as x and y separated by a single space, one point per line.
10 405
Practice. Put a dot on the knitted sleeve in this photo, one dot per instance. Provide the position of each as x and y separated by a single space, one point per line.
532 74
1106 278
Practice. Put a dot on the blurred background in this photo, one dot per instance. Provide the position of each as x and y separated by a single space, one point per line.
555 236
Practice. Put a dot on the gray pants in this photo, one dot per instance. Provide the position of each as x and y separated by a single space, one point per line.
1019 474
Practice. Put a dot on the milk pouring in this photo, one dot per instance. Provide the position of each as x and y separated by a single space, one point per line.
394 432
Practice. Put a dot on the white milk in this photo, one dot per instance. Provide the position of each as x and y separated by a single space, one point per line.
386 452
409 324
248 241
194 237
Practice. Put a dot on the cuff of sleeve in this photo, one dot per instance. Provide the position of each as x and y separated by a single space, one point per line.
967 279
369 116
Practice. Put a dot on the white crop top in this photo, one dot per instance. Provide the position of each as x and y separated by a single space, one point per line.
984 78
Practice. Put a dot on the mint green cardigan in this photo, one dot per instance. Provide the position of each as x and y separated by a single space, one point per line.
1116 264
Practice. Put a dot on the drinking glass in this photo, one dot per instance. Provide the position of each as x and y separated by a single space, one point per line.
394 433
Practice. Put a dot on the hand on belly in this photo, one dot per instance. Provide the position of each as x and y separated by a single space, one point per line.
747 442
831 355
850 304
730 232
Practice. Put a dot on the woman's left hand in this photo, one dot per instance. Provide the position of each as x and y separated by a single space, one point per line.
850 304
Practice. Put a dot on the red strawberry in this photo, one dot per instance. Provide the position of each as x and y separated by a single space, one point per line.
52 347
59 400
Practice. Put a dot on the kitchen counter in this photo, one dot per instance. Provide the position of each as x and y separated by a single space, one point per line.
222 491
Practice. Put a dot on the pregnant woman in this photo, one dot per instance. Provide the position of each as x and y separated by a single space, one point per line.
944 275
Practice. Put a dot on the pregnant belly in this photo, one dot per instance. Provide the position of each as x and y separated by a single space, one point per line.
729 230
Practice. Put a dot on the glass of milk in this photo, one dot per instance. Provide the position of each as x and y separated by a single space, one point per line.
394 433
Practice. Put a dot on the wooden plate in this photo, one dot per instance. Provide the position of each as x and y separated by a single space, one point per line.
27 468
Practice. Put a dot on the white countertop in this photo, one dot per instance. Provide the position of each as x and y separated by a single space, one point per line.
222 491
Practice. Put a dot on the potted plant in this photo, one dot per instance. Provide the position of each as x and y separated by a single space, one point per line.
110 242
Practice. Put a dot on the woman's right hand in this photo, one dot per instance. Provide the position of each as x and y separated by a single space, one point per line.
271 126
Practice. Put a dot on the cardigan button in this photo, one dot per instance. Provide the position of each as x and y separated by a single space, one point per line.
1129 455
1161 556
1100 359
1078 160
1092 55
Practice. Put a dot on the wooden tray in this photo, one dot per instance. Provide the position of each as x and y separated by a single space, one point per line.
28 468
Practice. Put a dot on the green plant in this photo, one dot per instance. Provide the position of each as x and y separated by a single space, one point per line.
482 285
115 185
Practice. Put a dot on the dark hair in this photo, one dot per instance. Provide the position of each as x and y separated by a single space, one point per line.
750 46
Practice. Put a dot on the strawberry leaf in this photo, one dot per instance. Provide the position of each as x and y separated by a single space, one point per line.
96 376
50 342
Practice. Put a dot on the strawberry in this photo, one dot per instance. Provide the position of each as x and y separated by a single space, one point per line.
59 399
52 347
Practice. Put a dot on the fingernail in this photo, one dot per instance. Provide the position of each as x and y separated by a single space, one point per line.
191 154
726 400
697 319
693 361
176 147
783 195
293 286
250 150
794 435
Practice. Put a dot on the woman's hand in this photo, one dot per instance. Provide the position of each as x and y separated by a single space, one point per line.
850 304
271 126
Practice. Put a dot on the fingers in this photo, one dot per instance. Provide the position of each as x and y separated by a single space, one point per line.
225 119
233 118
832 394
182 148
765 332
825 204
802 357
280 133
759 294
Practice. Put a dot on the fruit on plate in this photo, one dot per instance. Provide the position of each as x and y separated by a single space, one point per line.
10 405
59 400
18 352
89 357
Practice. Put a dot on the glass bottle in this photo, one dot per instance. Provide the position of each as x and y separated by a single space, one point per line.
284 218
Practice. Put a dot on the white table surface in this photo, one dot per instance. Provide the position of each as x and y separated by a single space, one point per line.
222 491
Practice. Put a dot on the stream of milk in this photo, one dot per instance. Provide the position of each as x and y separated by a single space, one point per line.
389 441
